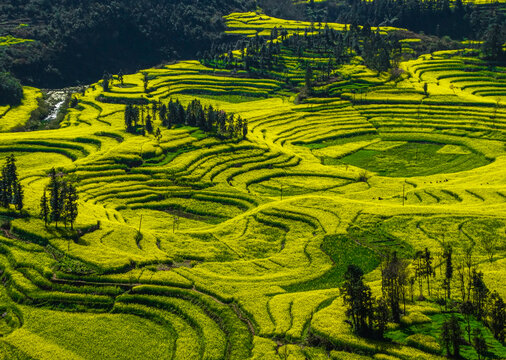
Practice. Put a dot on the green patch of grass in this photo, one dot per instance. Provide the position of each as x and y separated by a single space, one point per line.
411 159
343 252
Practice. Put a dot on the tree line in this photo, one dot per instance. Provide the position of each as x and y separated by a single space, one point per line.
369 316
59 201
140 119
264 57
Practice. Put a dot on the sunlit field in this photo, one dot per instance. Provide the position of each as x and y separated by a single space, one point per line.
196 247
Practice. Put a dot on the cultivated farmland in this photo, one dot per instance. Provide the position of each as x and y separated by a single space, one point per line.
192 246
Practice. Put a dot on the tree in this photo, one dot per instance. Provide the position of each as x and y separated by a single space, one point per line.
11 191
451 336
120 77
11 91
358 300
494 40
44 208
244 128
149 124
54 197
163 114
467 309
479 343
427 266
479 293
381 315
425 89
308 79
394 280
17 198
71 209
145 80
497 316
105 81
449 271
129 118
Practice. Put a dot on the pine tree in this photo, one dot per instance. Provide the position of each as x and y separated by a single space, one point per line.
149 124
163 114
358 299
18 195
129 118
105 82
145 81
428 269
244 128
54 197
448 272
479 293
479 343
394 280
62 197
467 309
451 336
44 208
71 205
497 316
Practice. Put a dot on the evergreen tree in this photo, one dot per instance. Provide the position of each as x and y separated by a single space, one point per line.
54 197
71 209
394 280
427 266
494 39
497 316
129 118
449 272
44 208
163 114
149 124
244 128
467 309
62 199
105 82
358 300
479 343
145 81
18 194
451 336
479 294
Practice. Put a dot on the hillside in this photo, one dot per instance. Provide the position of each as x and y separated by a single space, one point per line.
222 200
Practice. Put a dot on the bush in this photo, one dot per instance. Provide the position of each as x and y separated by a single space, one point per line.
11 92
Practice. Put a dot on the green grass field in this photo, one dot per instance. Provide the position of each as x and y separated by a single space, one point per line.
266 225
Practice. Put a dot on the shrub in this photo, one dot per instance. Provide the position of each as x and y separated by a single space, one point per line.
11 92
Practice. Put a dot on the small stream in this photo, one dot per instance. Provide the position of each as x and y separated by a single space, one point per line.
55 99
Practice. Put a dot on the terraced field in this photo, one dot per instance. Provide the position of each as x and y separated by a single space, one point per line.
244 243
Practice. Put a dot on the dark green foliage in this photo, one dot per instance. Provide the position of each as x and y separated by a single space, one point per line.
479 343
494 38
394 282
208 119
11 191
79 40
62 201
11 91
448 272
479 294
358 299
44 208
497 316
467 309
451 336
